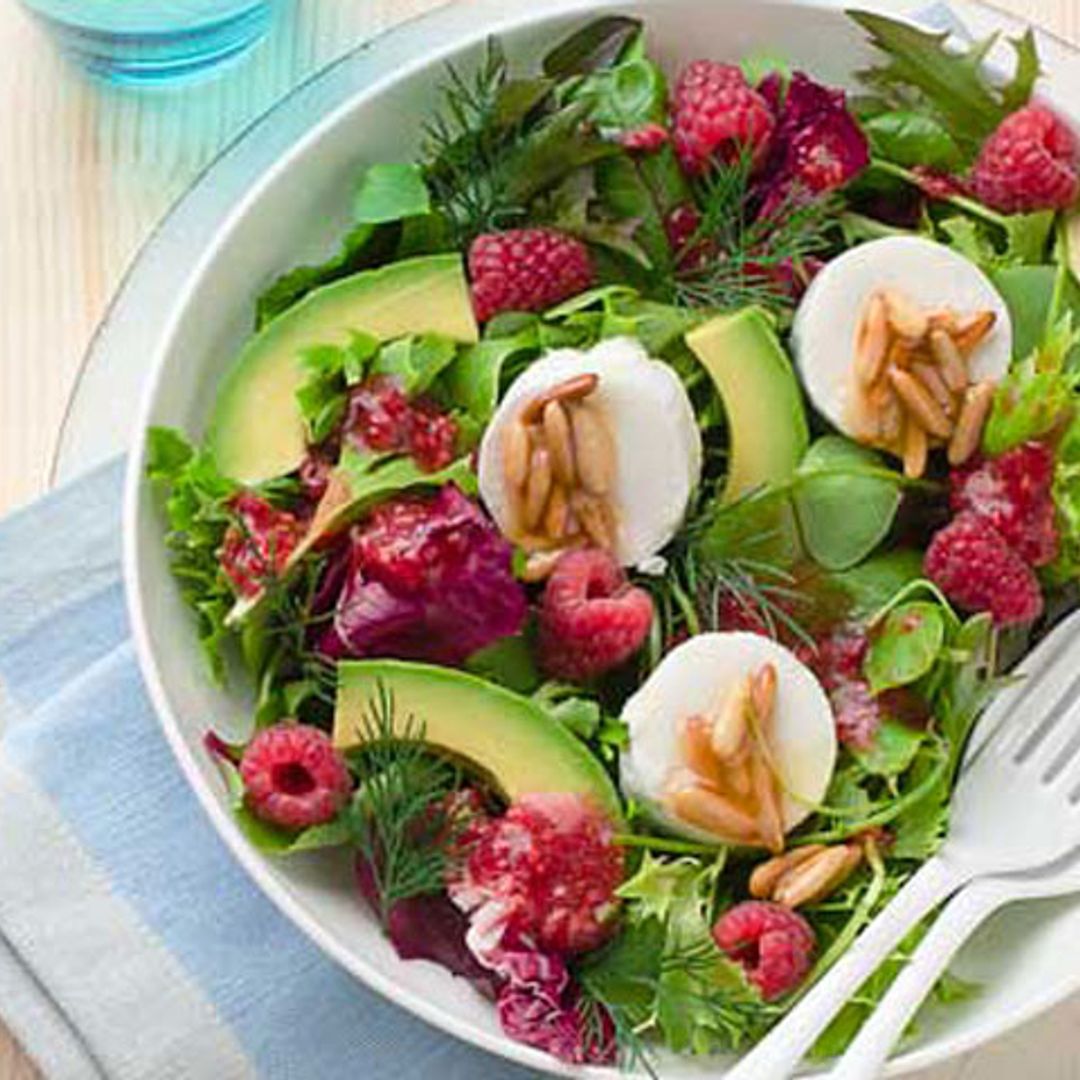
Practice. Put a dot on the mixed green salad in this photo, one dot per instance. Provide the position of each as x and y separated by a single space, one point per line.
624 528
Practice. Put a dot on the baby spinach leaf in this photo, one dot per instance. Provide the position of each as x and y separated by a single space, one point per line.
472 380
912 138
846 501
869 586
906 646
508 662
390 191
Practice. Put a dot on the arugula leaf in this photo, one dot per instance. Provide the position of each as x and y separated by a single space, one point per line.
415 361
906 646
390 191
197 509
931 73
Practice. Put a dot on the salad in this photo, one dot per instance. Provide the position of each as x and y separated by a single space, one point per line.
622 531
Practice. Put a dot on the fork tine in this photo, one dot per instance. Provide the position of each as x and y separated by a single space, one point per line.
1057 747
1038 714
1050 737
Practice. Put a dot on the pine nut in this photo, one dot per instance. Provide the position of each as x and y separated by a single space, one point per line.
594 450
969 427
900 354
594 518
934 382
557 513
537 487
729 723
767 875
515 449
572 389
953 369
920 404
905 317
915 450
769 817
971 331
709 810
539 565
696 738
872 341
763 697
818 877
559 443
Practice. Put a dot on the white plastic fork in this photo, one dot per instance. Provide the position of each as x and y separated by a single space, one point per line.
1016 807
963 914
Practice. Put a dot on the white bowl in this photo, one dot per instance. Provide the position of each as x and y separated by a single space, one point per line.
298 210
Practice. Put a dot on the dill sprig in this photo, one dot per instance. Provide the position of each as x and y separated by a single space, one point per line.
401 816
750 256
465 149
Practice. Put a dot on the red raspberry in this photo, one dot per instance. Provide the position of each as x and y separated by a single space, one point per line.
591 619
974 567
526 270
293 776
545 873
646 139
1013 493
774 945
716 114
838 663
259 544
1029 163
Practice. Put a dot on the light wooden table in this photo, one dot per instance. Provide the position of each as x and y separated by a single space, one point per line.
85 173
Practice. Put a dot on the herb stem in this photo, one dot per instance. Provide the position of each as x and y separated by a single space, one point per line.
662 843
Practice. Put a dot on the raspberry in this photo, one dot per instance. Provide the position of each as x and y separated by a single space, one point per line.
716 114
259 544
591 619
380 417
526 270
1012 492
973 565
1028 163
293 776
838 663
544 874
646 139
774 945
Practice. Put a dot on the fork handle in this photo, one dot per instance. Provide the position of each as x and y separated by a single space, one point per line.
777 1056
865 1058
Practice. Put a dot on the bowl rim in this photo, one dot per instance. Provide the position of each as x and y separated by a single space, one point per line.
491 17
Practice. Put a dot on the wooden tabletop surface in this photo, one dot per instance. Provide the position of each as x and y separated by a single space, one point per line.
85 173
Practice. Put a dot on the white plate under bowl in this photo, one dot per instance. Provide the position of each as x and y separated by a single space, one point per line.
297 210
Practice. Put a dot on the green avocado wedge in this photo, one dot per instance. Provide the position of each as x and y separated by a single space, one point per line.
766 417
257 431
508 738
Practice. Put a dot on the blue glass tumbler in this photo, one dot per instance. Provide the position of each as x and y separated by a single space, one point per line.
153 42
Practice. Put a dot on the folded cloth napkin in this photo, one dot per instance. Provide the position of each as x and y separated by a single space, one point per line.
132 946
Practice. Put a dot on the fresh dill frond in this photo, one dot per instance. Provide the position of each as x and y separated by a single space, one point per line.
402 815
747 257
465 149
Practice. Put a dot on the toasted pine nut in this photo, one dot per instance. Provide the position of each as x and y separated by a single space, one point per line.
537 487
973 413
872 341
515 450
769 817
697 749
709 810
767 875
595 519
933 380
920 403
953 369
540 564
763 697
559 443
890 415
905 317
729 722
972 330
594 449
572 389
819 876
900 353
557 512
943 320
915 449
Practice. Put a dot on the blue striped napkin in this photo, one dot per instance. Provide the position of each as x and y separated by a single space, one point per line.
132 947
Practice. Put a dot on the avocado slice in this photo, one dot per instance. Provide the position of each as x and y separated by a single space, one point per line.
506 737
256 431
765 413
